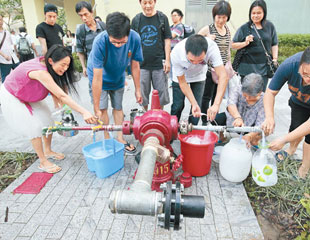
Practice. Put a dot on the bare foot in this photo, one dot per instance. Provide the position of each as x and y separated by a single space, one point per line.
54 155
303 171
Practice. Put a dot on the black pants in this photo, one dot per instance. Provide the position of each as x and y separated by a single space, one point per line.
220 119
25 57
299 115
208 95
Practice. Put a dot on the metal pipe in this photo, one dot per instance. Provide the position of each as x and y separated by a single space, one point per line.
215 128
193 206
110 127
144 175
133 202
212 128
243 129
140 199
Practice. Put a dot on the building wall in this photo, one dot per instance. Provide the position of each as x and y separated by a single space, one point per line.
132 7
72 18
289 16
34 14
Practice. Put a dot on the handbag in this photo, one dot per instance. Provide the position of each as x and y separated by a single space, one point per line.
272 67
238 57
229 70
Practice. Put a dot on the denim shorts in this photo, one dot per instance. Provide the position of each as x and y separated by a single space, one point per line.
116 97
158 79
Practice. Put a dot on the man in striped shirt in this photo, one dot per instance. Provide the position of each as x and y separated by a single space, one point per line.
86 32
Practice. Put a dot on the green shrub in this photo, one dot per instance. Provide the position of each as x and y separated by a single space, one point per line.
294 40
77 63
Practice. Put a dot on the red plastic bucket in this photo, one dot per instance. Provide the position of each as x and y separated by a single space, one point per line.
198 157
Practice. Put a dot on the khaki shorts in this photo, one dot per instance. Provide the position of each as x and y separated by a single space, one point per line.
116 97
157 79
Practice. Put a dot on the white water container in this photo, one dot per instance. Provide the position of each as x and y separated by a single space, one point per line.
264 168
235 160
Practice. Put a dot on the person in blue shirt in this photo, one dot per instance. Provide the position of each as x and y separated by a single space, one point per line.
295 71
112 50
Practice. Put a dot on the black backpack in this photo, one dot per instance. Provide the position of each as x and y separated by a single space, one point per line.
23 46
82 30
188 30
136 22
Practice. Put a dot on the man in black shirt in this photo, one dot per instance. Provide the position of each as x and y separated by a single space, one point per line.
154 30
49 32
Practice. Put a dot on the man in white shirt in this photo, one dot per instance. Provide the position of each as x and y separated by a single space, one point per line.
8 58
190 59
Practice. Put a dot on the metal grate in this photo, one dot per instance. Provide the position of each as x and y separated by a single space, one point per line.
194 2
211 2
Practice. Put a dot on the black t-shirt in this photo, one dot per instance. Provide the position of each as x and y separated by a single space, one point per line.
153 41
255 59
52 34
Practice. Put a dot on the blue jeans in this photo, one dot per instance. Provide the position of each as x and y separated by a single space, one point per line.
5 70
179 98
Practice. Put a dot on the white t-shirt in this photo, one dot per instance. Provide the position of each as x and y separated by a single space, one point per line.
193 72
7 48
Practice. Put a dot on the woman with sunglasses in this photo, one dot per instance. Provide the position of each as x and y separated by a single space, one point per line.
22 96
295 71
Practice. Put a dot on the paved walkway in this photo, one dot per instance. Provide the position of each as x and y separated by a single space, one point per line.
74 203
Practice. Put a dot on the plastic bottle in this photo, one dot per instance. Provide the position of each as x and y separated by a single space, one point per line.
235 160
264 167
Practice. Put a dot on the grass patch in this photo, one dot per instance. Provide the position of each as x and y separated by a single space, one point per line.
287 204
12 165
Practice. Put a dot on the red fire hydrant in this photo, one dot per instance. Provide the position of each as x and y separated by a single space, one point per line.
160 124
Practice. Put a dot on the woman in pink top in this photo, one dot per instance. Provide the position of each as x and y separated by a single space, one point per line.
21 98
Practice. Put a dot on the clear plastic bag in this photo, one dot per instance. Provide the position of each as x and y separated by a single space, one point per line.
264 168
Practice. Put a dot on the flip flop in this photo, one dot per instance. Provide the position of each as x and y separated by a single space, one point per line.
281 156
128 151
49 169
57 156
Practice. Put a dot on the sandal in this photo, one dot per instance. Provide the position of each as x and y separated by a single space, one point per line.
281 156
56 156
129 149
50 169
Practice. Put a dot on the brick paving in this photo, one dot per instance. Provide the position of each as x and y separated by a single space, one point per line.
74 203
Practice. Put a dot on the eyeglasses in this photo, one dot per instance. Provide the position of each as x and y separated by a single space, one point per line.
115 42
303 75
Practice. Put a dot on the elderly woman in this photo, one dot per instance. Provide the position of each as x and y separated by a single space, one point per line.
295 71
218 32
254 59
245 107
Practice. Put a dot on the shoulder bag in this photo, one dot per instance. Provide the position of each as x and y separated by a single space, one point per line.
4 35
272 67
239 54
